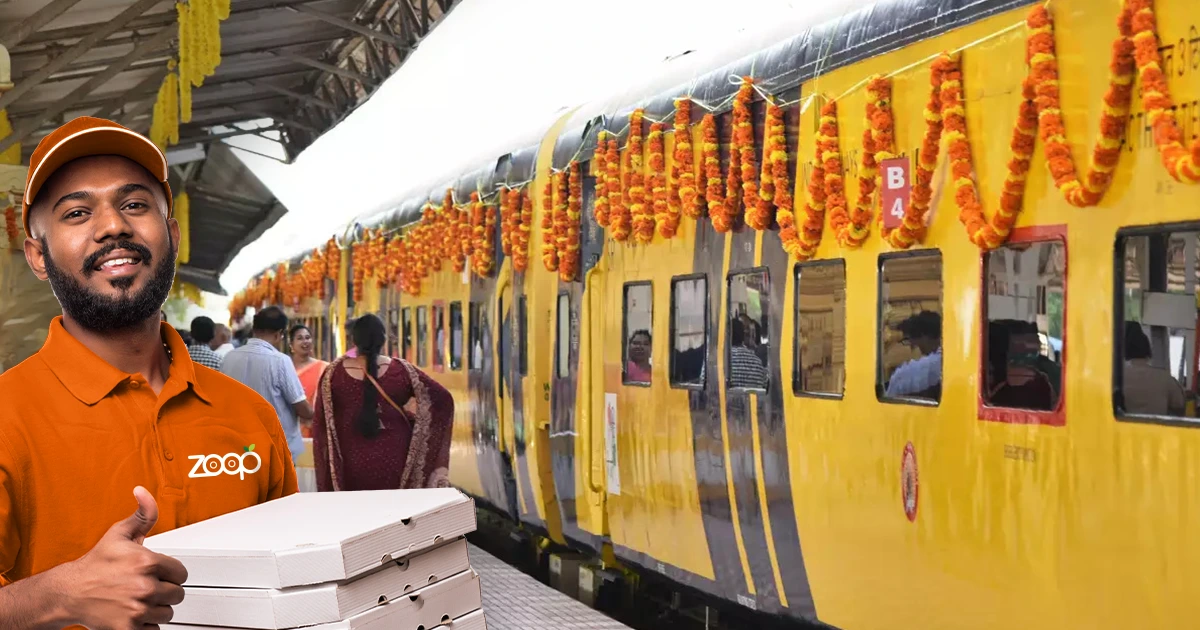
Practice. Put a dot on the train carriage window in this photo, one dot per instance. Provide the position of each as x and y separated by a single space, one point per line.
456 335
689 330
819 366
1023 340
1158 299
523 338
406 339
563 337
439 336
474 344
422 335
749 341
909 364
637 322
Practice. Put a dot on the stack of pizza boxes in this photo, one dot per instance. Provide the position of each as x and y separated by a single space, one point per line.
380 560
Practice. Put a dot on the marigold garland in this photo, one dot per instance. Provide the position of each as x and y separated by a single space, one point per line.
831 155
485 246
524 225
714 191
733 189
1182 164
801 243
568 264
641 213
560 215
333 259
665 216
852 231
549 244
682 186
507 221
912 226
743 146
599 168
619 218
1107 151
984 232
773 143
776 147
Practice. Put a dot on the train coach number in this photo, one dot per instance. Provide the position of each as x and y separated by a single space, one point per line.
909 483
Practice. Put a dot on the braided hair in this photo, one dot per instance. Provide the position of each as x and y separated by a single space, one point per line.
369 336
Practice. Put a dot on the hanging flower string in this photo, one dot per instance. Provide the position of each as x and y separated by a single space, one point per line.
743 146
775 143
549 246
852 231
803 245
639 210
619 218
666 217
912 226
686 191
1183 164
568 266
485 240
560 216
984 232
1107 151
831 155
507 221
765 210
714 189
524 225
599 168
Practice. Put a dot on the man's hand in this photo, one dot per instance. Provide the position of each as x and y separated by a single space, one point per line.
121 585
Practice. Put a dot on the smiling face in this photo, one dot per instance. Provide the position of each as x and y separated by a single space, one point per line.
302 342
639 348
102 241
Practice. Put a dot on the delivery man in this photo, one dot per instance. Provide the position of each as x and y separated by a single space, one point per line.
112 414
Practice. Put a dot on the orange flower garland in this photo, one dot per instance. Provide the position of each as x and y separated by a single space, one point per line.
983 232
568 266
524 225
485 246
733 188
600 169
808 237
743 146
714 191
10 225
506 222
1183 164
773 143
666 215
333 258
852 230
831 155
643 218
560 215
682 188
1107 151
549 244
912 227
619 218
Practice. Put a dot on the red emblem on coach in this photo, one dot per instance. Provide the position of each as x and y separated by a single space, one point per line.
909 483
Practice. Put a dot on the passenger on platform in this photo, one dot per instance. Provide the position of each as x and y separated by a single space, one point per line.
308 367
112 405
380 422
1147 389
637 369
262 366
203 331
921 377
222 341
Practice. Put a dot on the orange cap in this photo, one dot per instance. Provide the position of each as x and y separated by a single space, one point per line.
86 136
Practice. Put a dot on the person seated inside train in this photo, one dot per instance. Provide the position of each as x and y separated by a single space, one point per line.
920 377
1147 389
1013 384
689 366
746 369
1025 349
637 368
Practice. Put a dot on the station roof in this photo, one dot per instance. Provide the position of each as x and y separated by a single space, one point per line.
290 71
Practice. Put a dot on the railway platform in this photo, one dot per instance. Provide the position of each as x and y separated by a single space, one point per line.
513 600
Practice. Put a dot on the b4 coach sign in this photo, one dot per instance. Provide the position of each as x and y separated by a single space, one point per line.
897 191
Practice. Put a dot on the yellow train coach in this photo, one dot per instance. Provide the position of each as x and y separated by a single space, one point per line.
892 324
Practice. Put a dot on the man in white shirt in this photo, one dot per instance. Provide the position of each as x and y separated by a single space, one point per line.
920 378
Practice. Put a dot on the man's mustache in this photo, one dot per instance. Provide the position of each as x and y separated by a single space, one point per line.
89 265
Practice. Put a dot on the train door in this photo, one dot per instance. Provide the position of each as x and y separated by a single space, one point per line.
517 500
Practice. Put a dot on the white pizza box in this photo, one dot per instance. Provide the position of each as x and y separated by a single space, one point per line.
313 538
442 604
278 609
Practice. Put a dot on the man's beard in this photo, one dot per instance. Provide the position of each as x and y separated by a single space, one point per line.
101 313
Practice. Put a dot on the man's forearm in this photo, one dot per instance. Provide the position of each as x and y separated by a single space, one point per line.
35 603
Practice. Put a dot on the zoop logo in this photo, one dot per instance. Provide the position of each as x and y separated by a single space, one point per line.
229 463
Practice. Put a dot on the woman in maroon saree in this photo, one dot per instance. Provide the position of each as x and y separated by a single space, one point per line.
365 439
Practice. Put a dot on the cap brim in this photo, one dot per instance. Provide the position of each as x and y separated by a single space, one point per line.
98 141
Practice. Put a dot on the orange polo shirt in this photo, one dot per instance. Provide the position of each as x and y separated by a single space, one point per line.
77 434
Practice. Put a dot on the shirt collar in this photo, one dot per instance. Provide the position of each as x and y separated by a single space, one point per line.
90 378
255 341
